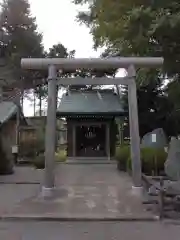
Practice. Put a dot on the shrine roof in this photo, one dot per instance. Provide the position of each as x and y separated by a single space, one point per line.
7 110
97 102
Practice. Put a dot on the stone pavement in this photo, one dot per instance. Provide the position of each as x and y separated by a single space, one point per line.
23 175
84 192
12 194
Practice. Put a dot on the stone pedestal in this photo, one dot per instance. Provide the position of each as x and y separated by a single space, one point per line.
47 192
172 165
137 191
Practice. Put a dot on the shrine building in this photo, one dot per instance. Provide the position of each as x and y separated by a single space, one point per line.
91 126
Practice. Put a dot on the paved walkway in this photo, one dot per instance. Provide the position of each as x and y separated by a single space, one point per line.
83 192
23 175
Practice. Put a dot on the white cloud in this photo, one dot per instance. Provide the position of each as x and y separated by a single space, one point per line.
56 19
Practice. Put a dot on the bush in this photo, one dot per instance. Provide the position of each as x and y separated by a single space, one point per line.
61 156
122 155
152 161
39 161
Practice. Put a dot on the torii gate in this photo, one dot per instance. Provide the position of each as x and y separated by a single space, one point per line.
54 64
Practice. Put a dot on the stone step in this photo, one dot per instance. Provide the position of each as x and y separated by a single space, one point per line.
90 161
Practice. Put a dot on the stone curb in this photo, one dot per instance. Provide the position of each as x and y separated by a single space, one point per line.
76 219
80 162
21 183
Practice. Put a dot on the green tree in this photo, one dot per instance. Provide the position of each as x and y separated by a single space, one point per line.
91 73
40 91
60 51
19 38
136 28
142 28
20 28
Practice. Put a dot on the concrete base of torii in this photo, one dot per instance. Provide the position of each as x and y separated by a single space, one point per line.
137 191
47 192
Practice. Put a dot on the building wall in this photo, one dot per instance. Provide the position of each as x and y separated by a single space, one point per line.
27 134
37 121
40 122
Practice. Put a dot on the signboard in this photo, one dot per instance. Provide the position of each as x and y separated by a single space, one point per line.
15 149
153 137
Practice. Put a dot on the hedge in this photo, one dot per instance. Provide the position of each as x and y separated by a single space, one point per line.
122 155
152 160
61 156
39 161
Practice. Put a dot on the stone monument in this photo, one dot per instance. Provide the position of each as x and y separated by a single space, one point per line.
155 139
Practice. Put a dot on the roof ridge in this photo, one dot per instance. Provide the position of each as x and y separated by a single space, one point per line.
92 90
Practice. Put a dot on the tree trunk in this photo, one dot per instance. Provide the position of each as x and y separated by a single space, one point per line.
40 105
34 103
22 100
57 96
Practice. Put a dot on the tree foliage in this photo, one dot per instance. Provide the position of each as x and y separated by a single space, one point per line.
56 51
143 28
19 36
139 27
60 51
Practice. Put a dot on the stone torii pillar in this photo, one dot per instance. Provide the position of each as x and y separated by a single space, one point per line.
54 64
134 129
50 139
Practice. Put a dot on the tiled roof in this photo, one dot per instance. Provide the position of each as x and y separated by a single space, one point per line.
90 102
7 110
